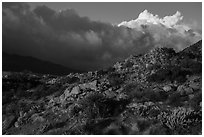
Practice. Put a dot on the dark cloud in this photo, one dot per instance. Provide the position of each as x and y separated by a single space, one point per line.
66 38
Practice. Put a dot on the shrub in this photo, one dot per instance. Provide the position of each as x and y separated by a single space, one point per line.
129 64
170 73
181 120
175 100
115 79
135 90
195 101
73 80
97 112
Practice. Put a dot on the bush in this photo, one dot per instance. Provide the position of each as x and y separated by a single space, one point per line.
170 73
195 101
181 120
115 79
97 112
129 64
174 100
135 90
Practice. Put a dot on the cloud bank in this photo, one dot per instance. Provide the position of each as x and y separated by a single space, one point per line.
68 39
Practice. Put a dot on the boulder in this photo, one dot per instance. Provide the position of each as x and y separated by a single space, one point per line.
110 94
62 98
181 90
75 91
91 85
66 93
167 88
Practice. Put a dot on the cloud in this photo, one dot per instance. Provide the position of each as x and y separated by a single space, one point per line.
77 42
168 31
93 38
147 17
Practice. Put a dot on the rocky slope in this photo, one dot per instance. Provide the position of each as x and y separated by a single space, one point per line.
159 92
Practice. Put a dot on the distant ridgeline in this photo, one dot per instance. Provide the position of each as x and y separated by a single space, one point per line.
19 63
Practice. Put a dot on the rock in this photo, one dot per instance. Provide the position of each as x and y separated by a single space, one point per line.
66 93
78 89
188 90
167 88
194 86
122 96
191 96
21 113
62 98
75 90
110 94
181 90
8 122
19 122
91 85
37 118
16 124
52 81
184 90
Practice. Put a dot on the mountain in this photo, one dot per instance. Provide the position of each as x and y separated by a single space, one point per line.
156 93
20 63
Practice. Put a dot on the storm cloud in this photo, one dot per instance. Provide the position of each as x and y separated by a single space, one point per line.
65 38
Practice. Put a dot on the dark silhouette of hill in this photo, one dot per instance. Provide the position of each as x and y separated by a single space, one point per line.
19 63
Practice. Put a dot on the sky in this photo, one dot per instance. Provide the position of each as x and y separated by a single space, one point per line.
117 12
90 36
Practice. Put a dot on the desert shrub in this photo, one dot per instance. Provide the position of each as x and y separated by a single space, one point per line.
137 91
160 76
44 90
155 96
156 129
7 96
115 79
20 92
179 74
195 101
72 80
155 66
180 120
133 90
100 106
194 66
175 99
105 71
128 64
170 73
11 108
97 112
143 124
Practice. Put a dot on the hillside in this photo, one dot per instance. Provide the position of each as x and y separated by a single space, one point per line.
157 93
19 63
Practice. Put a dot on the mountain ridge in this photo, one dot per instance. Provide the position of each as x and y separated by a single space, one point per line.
13 62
